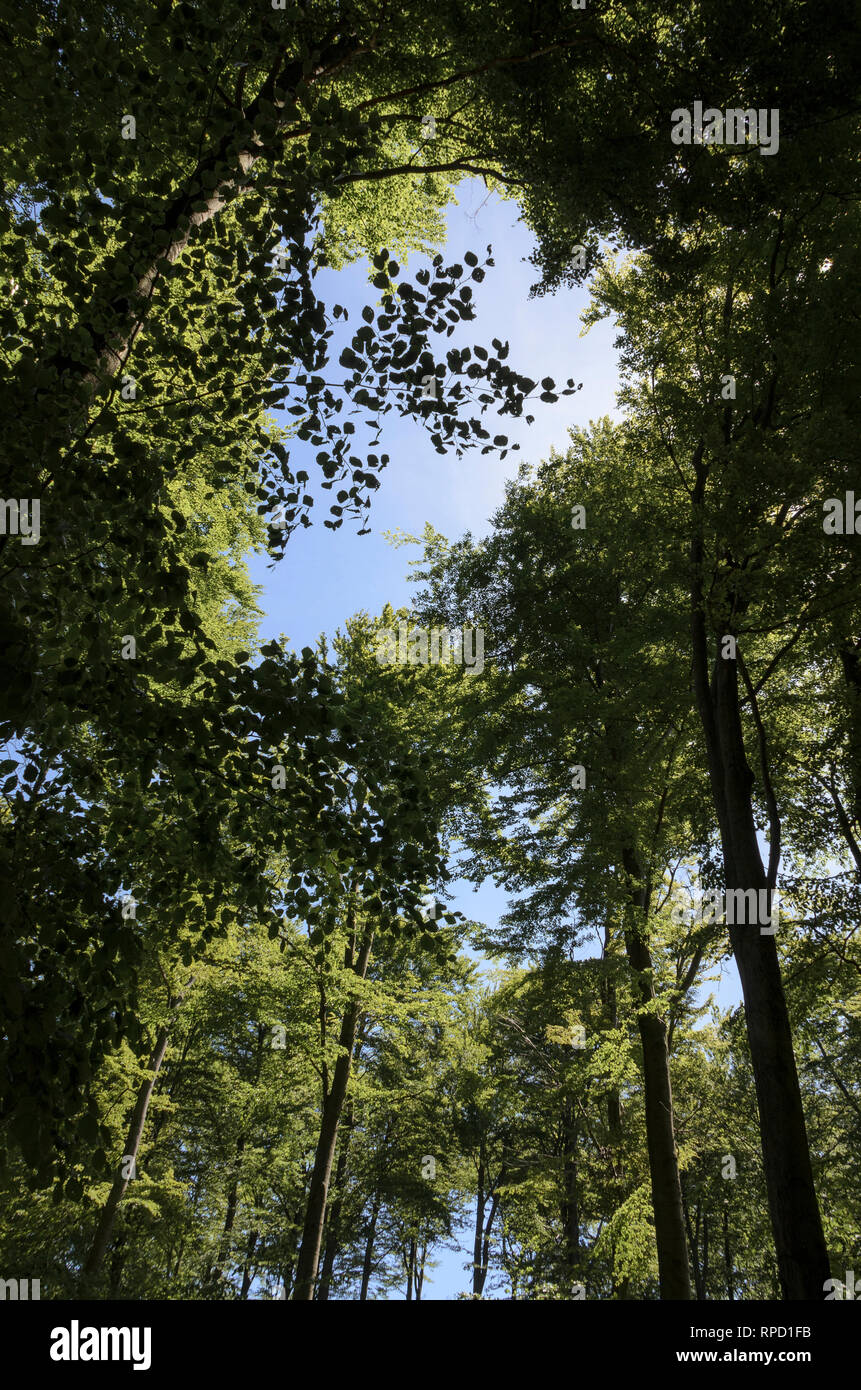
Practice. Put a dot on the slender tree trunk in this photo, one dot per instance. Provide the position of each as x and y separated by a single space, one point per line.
488 1227
229 1218
411 1268
247 1268
570 1212
233 1193
614 1102
850 658
333 1222
843 819
693 1242
670 1238
798 1237
477 1279
484 1224
705 1279
367 1263
118 1259
420 1271
727 1256
107 1219
333 1104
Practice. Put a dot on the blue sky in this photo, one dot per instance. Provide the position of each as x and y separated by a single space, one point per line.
326 576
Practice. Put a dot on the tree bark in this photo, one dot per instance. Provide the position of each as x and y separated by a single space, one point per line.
673 1268
477 1280
367 1263
334 1220
247 1270
411 1268
693 1242
229 1218
727 1257
705 1274
333 1104
570 1212
795 1219
483 1228
233 1193
850 659
107 1219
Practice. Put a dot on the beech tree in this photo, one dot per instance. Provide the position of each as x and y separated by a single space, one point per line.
212 846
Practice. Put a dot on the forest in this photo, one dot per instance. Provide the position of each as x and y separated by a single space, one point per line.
250 1047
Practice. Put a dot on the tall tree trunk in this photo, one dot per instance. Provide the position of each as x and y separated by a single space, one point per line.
118 1260
411 1268
484 1225
477 1279
229 1218
488 1227
333 1223
247 1269
570 1211
795 1219
614 1101
705 1253
107 1219
420 1271
727 1256
367 1263
674 1272
693 1242
233 1193
333 1104
850 658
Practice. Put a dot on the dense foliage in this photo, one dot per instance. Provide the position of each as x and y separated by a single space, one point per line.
246 1050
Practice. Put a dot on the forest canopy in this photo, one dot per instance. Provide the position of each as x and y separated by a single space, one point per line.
248 1048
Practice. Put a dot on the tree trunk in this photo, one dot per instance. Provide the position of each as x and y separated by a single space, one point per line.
420 1271
850 658
333 1104
118 1259
693 1242
367 1263
798 1237
477 1278
247 1271
105 1228
229 1218
233 1193
570 1212
727 1256
488 1227
483 1228
674 1272
705 1277
334 1222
